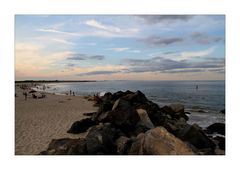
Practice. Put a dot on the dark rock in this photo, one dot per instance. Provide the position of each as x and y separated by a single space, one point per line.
187 113
216 127
222 111
66 146
137 97
32 91
159 141
195 136
144 124
100 139
177 108
144 119
167 110
155 114
220 141
123 115
105 106
81 126
89 114
120 94
107 97
123 145
175 111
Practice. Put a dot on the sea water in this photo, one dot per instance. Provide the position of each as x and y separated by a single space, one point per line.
203 99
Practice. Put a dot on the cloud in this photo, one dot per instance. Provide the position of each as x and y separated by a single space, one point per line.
119 49
62 41
192 54
97 73
78 56
158 41
104 30
58 32
109 28
167 19
203 38
160 64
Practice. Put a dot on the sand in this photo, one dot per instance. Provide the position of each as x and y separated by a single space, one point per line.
38 121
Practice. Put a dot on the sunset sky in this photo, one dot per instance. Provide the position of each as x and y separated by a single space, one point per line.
117 47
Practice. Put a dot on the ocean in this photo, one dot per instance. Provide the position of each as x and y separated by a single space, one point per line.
203 99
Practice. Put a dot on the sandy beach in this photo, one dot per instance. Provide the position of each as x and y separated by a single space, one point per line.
38 121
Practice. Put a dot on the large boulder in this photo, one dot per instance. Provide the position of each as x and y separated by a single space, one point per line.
177 108
107 97
120 94
123 145
66 146
144 124
195 136
81 126
216 128
100 139
175 111
220 142
123 115
137 97
144 119
159 141
155 114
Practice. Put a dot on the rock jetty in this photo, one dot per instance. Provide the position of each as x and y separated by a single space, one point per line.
127 123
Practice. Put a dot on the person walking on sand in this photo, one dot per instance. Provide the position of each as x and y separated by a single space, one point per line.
196 87
25 94
70 92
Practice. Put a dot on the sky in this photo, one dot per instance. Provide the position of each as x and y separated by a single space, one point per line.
119 47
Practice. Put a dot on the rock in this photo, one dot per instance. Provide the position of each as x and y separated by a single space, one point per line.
123 115
175 111
144 124
216 127
167 110
100 139
177 108
107 97
105 106
222 111
66 146
159 141
89 114
144 119
32 91
137 97
155 114
195 136
220 142
120 94
187 113
81 126
123 145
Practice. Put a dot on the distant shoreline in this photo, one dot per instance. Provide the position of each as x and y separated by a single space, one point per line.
56 81
80 81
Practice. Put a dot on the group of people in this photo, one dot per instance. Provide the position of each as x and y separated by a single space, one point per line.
71 93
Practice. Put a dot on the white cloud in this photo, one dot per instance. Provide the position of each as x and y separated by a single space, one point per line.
109 28
62 41
104 30
119 49
191 54
57 31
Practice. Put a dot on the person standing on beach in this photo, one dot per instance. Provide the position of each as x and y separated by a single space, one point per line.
70 92
196 87
25 94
